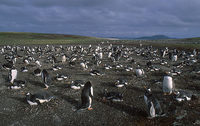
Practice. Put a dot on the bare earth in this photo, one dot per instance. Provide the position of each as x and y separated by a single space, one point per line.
15 111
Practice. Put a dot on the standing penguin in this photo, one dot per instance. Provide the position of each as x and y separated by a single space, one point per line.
139 72
152 103
168 85
64 58
86 96
45 78
12 75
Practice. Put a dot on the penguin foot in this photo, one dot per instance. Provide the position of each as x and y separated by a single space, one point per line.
46 88
90 109
166 93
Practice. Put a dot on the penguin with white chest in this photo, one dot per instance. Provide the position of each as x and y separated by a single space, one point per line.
45 78
86 96
152 103
139 72
168 85
12 75
38 98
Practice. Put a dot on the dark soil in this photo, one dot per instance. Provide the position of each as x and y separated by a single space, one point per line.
15 111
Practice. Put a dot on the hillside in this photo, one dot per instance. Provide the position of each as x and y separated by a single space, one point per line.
39 38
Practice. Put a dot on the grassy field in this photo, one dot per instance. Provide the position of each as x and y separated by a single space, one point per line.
22 38
25 38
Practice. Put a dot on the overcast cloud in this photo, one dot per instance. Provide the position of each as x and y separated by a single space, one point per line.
102 18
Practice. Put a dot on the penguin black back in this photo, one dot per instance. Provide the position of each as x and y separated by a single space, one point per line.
87 94
87 90
45 75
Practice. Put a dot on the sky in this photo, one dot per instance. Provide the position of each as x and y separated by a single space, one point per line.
102 18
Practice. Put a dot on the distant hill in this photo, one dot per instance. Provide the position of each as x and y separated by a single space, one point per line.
41 38
155 37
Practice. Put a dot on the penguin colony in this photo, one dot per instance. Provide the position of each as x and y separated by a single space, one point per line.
96 62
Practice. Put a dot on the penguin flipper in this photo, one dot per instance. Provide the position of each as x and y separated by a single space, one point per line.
152 111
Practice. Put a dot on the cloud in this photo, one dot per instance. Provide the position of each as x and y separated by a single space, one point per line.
102 17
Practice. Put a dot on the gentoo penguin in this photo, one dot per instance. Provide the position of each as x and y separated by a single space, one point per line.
60 77
8 65
38 63
24 69
77 84
45 78
37 72
95 72
113 96
17 84
182 95
64 58
12 75
174 57
38 98
168 85
86 96
152 104
121 82
139 72
84 65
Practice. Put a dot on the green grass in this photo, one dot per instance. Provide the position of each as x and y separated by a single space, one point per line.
23 38
26 38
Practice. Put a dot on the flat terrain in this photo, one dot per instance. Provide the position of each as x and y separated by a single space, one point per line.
15 111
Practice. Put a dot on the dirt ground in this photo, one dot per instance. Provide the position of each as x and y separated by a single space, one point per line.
15 111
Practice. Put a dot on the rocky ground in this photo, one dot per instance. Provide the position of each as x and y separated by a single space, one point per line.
15 111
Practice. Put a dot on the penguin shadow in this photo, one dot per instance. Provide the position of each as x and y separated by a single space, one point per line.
5 78
20 99
83 74
69 99
108 84
129 109
36 83
136 89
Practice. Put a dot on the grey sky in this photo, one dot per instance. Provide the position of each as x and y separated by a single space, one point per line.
102 18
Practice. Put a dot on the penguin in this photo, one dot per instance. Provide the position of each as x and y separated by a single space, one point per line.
113 96
77 84
60 77
168 85
86 96
38 98
37 72
182 95
95 72
64 58
55 68
139 72
31 99
12 75
174 58
84 65
17 84
38 63
152 104
149 64
24 69
107 67
8 65
45 78
121 82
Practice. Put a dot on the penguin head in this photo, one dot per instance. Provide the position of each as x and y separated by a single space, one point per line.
28 96
148 91
105 92
88 84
